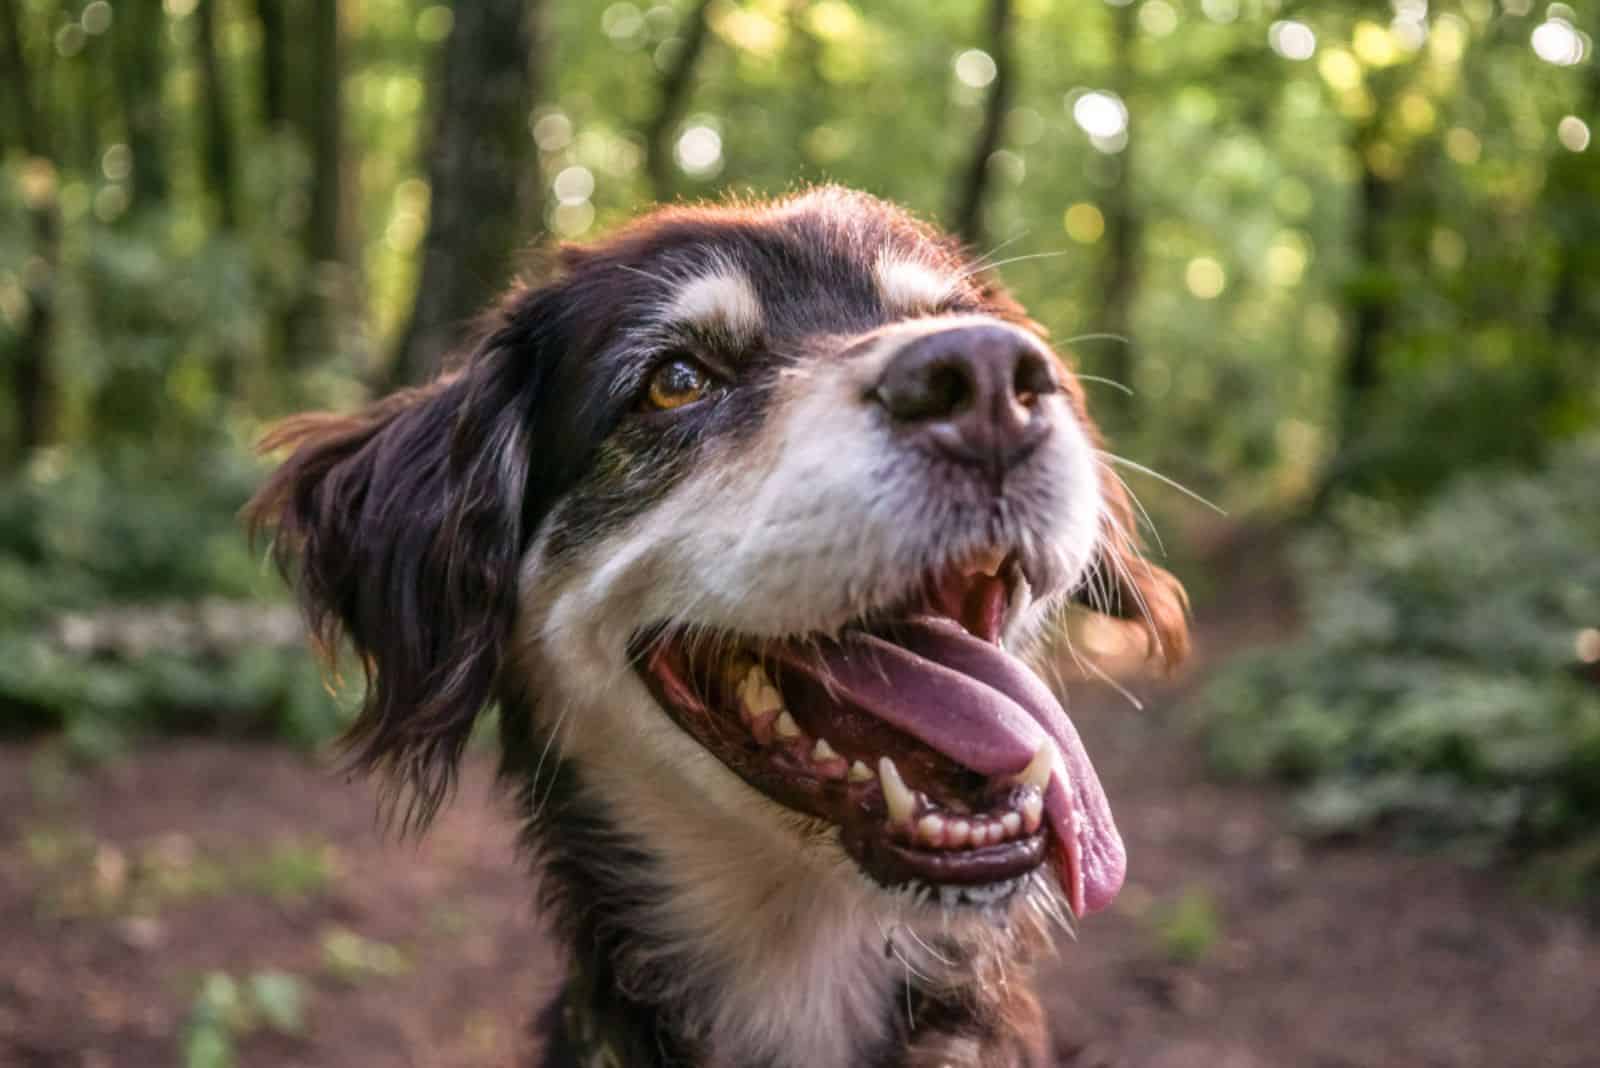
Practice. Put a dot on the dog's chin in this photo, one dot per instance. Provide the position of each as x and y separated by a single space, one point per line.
947 770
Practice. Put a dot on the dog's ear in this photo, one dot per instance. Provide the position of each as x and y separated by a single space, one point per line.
401 528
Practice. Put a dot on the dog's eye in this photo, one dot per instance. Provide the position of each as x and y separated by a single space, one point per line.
676 383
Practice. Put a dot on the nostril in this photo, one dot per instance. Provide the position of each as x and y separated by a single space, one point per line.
1032 378
923 386
949 389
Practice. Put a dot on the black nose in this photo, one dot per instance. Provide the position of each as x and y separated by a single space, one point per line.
972 392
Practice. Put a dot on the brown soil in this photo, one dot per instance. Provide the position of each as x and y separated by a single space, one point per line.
123 886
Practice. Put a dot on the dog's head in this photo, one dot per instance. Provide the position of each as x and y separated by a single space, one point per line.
752 510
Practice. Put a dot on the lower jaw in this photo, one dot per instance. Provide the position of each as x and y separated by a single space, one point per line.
892 864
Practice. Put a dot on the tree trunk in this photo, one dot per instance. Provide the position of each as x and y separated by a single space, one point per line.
967 217
478 158
274 58
313 323
1360 374
219 145
1119 285
140 32
676 82
33 373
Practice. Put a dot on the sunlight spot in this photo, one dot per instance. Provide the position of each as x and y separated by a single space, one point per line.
833 20
1100 114
96 18
699 150
1205 278
110 202
975 67
1084 223
70 40
1573 133
1557 41
749 30
571 220
1462 145
1417 112
573 185
621 21
1220 10
434 23
1410 34
116 162
1292 40
1158 18
1286 261
1373 45
1448 39
1339 69
180 8
552 131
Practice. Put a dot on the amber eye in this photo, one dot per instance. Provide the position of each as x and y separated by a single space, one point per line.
676 383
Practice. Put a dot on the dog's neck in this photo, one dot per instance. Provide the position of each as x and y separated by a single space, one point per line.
755 964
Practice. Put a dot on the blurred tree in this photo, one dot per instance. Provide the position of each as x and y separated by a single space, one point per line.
1124 237
214 100
273 15
479 159
967 216
34 383
139 31
677 80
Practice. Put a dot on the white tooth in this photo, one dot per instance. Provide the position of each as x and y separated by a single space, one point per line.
1012 822
931 829
823 751
757 696
787 728
1032 811
902 803
956 833
859 772
980 835
1037 773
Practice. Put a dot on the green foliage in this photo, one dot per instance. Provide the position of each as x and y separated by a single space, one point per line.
1189 927
224 1010
351 957
129 601
1437 687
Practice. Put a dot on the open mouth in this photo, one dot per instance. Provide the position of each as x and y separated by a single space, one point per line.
942 759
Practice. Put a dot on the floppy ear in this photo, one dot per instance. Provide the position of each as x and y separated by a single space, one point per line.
401 528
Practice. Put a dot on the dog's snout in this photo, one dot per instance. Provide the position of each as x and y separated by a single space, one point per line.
972 392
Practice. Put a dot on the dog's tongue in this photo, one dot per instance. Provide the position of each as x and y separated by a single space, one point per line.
974 703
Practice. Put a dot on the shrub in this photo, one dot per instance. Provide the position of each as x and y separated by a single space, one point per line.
1439 687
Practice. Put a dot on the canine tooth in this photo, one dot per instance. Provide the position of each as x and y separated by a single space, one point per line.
787 728
823 751
1032 811
931 829
859 772
957 832
1037 773
757 696
896 795
1012 822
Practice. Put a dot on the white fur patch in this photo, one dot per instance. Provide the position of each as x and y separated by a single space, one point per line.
722 299
910 287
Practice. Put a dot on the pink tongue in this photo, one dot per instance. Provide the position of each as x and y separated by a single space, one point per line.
972 702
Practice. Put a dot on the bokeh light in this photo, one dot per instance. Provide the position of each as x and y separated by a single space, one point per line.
1205 278
573 185
975 68
1573 133
1084 223
1292 40
699 150
1100 114
1555 40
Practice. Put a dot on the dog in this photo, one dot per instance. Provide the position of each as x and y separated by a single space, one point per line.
747 521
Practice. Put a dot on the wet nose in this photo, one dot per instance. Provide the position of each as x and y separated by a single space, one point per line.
972 392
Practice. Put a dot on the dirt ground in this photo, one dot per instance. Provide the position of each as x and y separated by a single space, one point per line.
127 889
